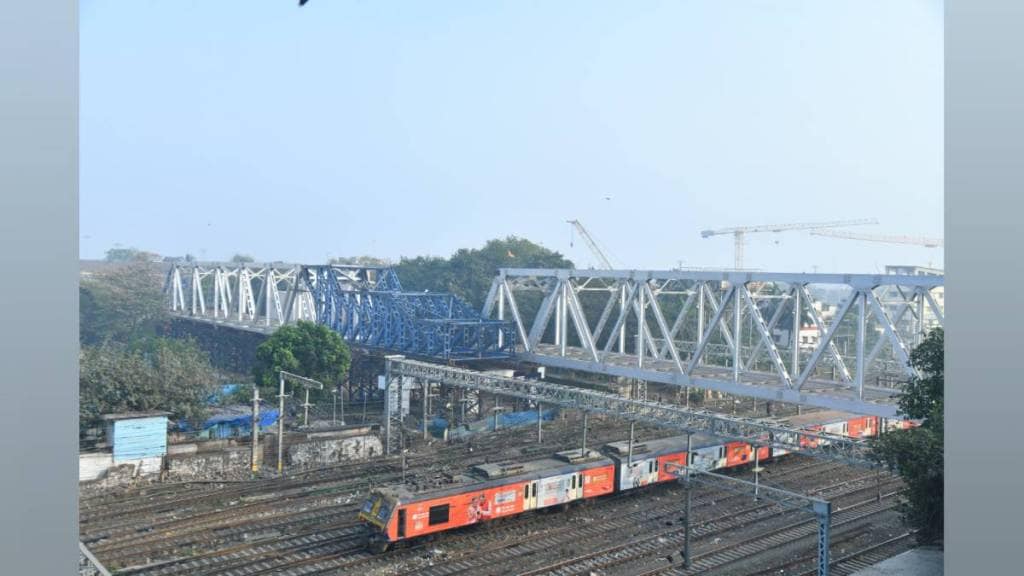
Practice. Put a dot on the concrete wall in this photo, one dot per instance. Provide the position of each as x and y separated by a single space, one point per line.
220 459
326 451
208 464
229 348
101 466
93 466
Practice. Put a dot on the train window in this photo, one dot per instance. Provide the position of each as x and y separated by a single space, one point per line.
526 492
573 481
438 514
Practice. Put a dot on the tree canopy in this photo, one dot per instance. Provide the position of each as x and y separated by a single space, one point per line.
306 349
155 374
469 272
359 261
120 305
130 255
917 454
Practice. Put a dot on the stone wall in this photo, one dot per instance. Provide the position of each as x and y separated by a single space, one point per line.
227 460
215 464
327 451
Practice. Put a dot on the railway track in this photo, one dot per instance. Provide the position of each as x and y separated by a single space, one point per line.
850 562
302 525
660 545
563 537
174 529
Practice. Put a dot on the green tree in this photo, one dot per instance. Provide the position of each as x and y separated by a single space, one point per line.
359 261
242 259
121 305
916 454
469 272
306 349
130 255
153 374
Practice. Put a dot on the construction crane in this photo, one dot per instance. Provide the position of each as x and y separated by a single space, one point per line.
591 244
739 233
912 240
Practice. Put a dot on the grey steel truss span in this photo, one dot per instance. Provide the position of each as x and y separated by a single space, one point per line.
764 335
366 305
410 373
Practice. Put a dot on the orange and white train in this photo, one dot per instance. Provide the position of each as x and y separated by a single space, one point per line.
490 491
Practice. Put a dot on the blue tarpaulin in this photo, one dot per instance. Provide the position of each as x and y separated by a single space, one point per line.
223 392
232 422
506 420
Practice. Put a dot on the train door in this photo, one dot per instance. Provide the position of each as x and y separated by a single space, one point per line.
401 523
529 496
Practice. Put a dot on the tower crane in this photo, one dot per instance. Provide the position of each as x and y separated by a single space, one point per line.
591 244
912 240
739 233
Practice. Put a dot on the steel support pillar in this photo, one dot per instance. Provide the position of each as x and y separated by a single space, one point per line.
823 510
256 429
629 457
426 408
540 422
583 451
393 385
687 560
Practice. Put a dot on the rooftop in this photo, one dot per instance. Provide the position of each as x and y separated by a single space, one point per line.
135 415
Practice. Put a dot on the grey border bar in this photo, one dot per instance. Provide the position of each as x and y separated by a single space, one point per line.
39 296
984 184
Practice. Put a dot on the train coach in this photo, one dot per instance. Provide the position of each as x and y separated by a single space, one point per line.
490 491
487 492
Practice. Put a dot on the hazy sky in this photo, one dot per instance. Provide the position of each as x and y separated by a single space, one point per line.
400 128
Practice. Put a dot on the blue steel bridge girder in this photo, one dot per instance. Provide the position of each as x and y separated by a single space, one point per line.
365 305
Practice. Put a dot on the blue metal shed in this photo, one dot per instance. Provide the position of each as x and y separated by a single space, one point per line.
137 435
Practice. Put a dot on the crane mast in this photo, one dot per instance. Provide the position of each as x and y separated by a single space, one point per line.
591 244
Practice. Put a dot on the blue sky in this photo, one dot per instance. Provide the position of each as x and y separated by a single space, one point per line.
401 128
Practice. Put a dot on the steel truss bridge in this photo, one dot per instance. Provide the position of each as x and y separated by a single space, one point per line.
827 340
366 305
763 335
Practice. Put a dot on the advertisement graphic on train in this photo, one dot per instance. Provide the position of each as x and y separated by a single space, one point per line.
707 459
479 509
554 490
639 474
597 481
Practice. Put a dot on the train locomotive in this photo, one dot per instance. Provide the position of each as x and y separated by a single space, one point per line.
497 490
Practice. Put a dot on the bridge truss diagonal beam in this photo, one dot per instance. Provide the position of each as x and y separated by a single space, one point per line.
750 430
365 305
844 344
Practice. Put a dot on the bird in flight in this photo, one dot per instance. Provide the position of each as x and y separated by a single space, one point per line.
303 2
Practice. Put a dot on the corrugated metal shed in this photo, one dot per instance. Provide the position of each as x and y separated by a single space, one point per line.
137 436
